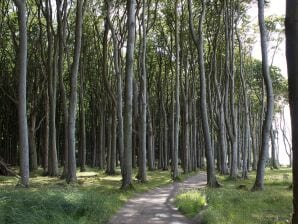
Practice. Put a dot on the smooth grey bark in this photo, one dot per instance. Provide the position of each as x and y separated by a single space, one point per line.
175 152
187 149
246 114
119 87
199 42
102 137
22 101
72 176
291 24
111 148
46 135
94 137
194 129
165 137
221 121
142 175
230 118
150 148
61 30
127 157
82 123
273 134
52 57
259 183
32 142
114 144
135 123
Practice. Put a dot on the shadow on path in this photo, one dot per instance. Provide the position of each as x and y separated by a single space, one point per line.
156 206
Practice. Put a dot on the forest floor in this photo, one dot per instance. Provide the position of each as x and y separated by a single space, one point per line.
235 203
97 197
157 206
93 200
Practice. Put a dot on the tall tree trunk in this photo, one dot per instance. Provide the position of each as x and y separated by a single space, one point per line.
143 95
292 58
22 111
259 183
61 19
119 87
127 157
72 176
246 117
186 127
199 41
175 152
52 56
82 123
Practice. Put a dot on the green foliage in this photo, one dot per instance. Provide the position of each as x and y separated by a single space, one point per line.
94 199
190 203
229 205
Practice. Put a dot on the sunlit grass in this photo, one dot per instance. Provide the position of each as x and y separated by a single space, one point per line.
229 205
94 199
190 202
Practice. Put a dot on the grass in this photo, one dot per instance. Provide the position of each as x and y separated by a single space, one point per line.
229 205
94 199
190 202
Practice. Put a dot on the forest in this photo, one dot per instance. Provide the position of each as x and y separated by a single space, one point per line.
116 97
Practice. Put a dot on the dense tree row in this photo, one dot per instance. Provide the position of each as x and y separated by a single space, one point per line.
157 85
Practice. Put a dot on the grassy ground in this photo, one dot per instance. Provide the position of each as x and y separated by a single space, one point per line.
229 205
94 199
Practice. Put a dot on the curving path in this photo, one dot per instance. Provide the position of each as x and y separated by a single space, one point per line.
156 206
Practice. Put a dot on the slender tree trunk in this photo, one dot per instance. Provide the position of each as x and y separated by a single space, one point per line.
150 143
109 144
199 41
259 183
32 142
175 153
127 163
273 149
143 95
186 128
22 111
94 137
102 141
72 176
82 124
246 117
46 137
119 88
61 40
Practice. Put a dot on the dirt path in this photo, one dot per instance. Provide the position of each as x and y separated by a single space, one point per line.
156 206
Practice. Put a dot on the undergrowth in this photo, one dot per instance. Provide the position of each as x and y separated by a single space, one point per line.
232 204
94 199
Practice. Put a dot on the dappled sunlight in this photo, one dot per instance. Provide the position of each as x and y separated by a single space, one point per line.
93 199
232 205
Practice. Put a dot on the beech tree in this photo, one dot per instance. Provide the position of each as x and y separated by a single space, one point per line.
259 183
127 157
73 95
22 111
165 85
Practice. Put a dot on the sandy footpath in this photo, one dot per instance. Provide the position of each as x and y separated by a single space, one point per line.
156 206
